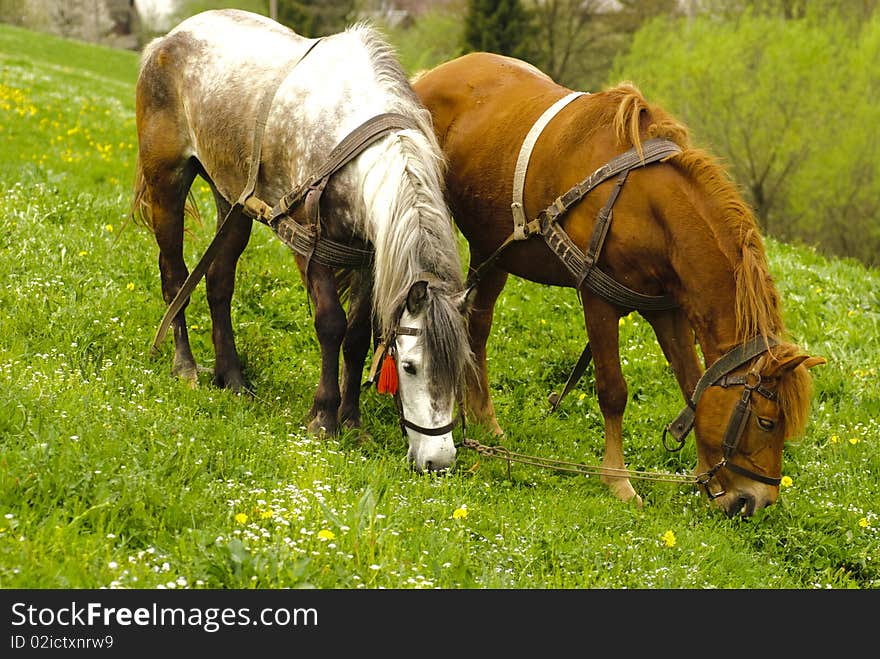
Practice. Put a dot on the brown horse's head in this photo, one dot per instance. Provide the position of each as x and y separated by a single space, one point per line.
742 423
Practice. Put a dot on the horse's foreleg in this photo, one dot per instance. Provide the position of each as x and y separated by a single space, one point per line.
676 338
167 195
220 284
330 326
603 334
478 399
355 347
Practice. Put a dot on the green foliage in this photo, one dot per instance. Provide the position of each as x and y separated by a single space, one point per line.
788 104
497 26
436 37
114 474
316 18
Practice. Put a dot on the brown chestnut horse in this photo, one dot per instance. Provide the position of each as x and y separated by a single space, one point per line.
656 226
272 120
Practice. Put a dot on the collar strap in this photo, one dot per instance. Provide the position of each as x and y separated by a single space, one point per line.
733 359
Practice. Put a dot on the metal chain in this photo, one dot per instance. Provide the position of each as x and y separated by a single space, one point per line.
504 453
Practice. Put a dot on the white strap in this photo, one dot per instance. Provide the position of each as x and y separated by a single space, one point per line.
522 162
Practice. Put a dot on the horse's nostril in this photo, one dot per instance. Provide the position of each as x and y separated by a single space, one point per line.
744 504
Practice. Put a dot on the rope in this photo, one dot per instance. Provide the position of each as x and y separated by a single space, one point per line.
573 467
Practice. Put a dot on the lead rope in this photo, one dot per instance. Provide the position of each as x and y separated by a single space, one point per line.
509 456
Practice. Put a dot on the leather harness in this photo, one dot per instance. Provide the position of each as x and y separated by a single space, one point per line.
581 265
303 237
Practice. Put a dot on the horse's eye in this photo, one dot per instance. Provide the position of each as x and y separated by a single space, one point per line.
766 424
409 367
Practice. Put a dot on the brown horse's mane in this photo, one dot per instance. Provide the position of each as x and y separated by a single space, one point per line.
758 309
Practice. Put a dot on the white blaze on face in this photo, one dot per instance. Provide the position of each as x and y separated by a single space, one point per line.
426 452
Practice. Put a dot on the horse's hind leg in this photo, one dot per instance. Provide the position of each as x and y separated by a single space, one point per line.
167 187
330 326
479 399
355 347
603 333
220 284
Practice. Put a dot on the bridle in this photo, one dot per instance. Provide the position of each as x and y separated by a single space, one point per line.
719 375
391 348
388 347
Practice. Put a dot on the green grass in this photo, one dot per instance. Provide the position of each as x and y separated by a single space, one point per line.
114 474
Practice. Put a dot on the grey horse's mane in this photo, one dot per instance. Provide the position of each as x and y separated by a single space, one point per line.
418 236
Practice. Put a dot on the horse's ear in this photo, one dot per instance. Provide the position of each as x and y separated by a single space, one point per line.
417 297
792 362
465 300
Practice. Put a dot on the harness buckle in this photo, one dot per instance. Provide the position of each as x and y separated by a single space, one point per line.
705 478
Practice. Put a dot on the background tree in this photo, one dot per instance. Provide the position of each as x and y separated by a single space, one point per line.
87 20
316 18
785 103
497 26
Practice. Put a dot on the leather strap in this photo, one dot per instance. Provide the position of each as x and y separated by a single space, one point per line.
522 162
579 368
201 268
350 146
304 237
733 359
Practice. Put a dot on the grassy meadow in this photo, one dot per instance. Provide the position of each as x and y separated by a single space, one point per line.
114 474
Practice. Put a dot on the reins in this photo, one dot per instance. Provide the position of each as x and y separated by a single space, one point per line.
509 456
716 375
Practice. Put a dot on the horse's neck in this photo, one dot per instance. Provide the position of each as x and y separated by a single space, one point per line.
707 283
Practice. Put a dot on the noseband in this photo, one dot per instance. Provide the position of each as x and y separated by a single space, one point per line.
388 346
719 375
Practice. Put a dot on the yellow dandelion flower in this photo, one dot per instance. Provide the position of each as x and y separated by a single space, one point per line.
130 286
864 523
326 534
83 253
668 539
622 321
834 439
241 518
109 227
582 396
266 514
853 440
786 481
460 513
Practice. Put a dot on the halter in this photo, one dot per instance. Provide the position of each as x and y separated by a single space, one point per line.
388 347
719 375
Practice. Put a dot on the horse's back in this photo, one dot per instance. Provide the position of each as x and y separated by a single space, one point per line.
486 90
205 80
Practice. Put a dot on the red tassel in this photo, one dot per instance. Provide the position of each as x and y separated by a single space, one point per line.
387 376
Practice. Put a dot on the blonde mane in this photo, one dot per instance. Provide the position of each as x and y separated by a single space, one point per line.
757 307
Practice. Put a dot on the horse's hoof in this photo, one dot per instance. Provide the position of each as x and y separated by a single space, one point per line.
188 373
234 382
623 490
321 428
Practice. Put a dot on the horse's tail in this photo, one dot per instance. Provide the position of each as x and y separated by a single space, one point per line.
141 205
636 118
